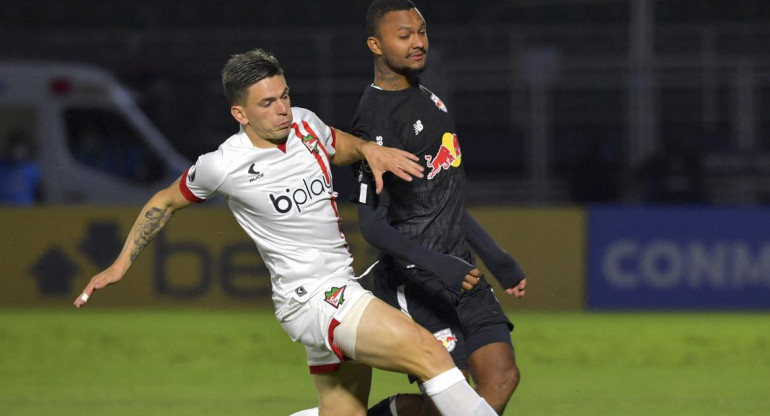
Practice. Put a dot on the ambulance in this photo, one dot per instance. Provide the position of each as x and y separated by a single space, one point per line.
91 142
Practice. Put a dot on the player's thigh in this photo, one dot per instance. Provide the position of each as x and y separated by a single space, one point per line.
492 360
494 370
439 318
345 391
390 340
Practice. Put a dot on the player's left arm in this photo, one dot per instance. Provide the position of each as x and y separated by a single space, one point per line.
453 271
503 266
381 159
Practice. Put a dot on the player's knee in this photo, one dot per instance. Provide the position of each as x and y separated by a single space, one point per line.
435 350
508 382
514 378
501 383
498 387
434 358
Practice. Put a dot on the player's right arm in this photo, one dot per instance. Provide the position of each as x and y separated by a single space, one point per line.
153 217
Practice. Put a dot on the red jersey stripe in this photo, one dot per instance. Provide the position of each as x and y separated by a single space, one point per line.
309 130
326 368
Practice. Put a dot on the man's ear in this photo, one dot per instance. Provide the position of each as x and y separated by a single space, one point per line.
374 45
239 115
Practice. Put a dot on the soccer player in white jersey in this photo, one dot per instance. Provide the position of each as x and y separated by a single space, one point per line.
275 174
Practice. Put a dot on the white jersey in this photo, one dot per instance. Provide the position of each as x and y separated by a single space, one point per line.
283 198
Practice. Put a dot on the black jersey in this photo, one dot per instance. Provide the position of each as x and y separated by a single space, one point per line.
431 209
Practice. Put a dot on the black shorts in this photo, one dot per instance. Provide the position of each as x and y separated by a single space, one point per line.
477 320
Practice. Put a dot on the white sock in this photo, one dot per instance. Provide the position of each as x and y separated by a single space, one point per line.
306 412
453 396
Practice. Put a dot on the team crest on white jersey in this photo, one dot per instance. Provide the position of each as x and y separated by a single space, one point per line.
335 296
438 102
446 338
311 143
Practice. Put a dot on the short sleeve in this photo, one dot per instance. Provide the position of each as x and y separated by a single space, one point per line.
203 179
365 189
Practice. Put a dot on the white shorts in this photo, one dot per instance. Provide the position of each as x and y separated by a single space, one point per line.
314 322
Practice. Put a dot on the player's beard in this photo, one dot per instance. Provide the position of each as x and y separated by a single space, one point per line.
405 70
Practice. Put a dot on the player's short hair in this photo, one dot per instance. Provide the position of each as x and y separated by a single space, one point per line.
379 8
246 69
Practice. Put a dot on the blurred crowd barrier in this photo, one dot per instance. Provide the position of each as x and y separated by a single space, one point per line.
203 258
606 257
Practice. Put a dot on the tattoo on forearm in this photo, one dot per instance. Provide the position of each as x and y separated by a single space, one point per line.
154 221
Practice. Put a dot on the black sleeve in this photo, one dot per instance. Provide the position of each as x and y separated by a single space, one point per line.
502 265
376 230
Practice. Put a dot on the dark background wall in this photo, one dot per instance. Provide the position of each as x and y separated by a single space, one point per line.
556 101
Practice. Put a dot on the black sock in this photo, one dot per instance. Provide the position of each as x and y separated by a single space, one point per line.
382 408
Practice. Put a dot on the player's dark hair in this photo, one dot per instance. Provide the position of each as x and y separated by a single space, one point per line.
379 8
246 69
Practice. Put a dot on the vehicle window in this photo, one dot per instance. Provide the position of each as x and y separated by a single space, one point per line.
102 139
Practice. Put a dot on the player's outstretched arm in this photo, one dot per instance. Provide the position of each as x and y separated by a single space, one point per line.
153 217
453 271
380 159
502 265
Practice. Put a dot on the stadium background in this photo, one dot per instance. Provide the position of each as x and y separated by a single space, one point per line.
618 148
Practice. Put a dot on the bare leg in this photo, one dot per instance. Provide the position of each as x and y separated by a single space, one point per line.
344 392
495 374
494 370
390 340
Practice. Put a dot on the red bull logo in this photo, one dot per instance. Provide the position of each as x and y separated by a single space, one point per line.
438 102
446 338
449 154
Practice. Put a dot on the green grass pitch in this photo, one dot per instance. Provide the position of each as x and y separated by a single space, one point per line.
239 362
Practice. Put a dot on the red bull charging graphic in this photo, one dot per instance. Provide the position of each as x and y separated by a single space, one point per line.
449 154
446 338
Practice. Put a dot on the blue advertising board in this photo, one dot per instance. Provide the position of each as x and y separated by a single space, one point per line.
677 257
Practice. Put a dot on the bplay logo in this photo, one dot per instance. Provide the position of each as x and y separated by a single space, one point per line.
297 197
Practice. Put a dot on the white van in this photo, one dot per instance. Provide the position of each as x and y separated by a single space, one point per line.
91 142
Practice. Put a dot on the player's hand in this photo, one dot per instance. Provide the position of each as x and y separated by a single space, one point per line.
471 280
107 277
518 290
387 159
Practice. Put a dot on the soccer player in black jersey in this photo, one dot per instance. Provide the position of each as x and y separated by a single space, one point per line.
423 228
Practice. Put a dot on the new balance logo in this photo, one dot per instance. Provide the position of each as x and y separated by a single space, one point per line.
417 127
